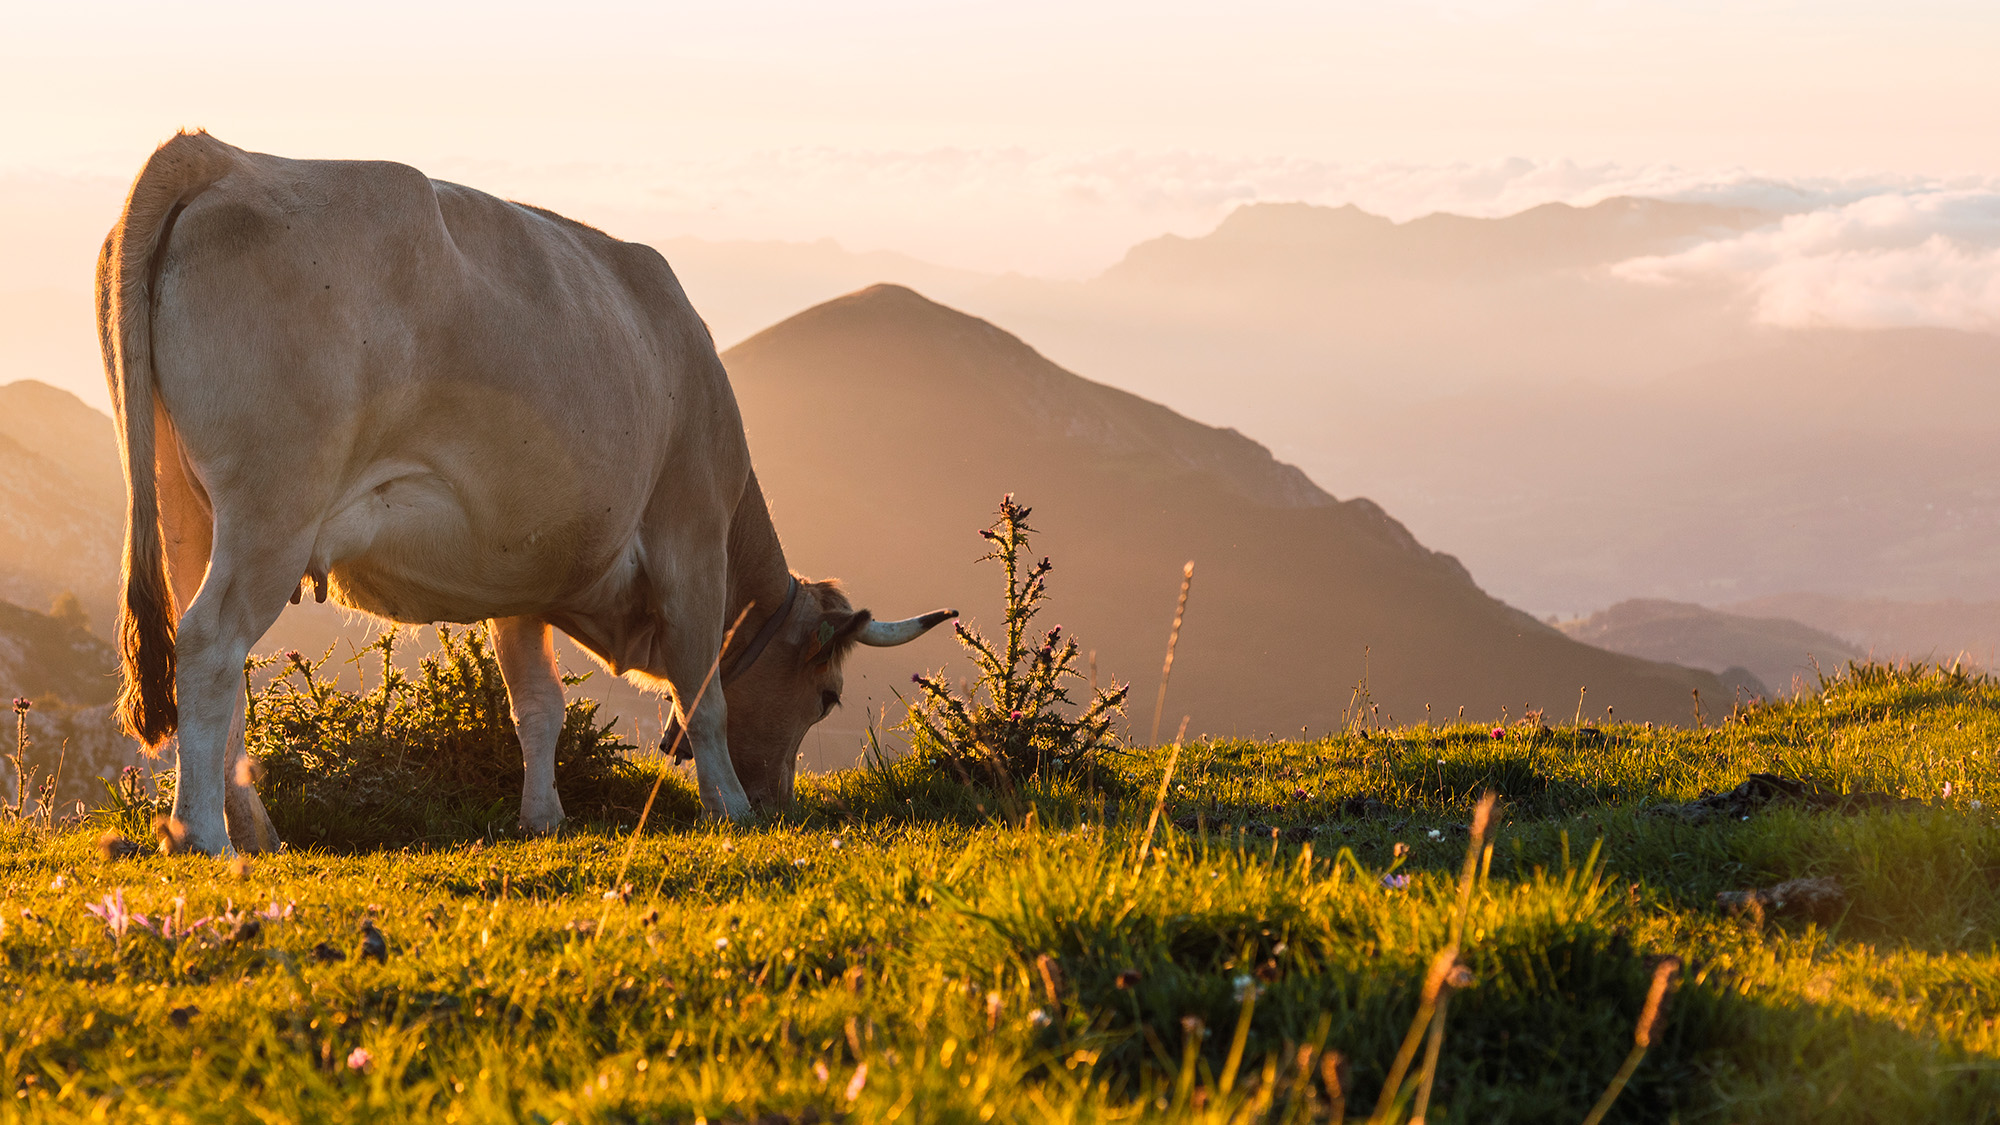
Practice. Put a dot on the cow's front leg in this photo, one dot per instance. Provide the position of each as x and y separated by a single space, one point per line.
722 794
526 649
690 652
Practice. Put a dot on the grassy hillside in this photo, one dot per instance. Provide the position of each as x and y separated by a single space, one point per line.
909 949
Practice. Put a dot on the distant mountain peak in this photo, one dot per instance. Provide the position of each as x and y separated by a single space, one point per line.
914 347
1284 239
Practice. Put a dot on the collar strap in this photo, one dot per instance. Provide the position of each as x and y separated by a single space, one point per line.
765 635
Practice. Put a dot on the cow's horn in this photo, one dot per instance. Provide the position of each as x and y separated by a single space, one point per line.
883 634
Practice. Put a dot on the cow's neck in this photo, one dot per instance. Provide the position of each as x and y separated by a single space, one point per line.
757 570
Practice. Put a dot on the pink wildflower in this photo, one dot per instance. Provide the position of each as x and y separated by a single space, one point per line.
113 914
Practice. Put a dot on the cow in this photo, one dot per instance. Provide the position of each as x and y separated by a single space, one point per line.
434 405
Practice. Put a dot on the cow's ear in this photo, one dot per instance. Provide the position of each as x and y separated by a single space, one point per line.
835 634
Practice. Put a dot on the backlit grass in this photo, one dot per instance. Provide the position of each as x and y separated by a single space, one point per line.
906 949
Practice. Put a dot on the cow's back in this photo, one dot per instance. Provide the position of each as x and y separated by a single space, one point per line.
478 399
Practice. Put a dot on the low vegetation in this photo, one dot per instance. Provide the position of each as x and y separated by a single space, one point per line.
422 757
1019 722
908 947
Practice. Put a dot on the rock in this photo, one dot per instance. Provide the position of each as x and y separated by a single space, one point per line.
1819 899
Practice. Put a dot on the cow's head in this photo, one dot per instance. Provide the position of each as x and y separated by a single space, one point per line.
796 681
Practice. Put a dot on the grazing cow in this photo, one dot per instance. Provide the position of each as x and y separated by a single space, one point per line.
436 405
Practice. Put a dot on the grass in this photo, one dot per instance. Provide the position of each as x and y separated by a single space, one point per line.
904 948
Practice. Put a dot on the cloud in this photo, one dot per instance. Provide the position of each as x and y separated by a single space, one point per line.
1901 258
1071 214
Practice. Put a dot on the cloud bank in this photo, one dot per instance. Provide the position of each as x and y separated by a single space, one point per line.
1901 258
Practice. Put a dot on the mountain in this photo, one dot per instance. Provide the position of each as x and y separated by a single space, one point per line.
62 517
1884 629
743 286
1760 654
1862 464
69 676
1265 243
1575 437
46 656
885 428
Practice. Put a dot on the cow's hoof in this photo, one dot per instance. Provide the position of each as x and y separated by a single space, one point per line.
540 827
258 838
178 838
742 813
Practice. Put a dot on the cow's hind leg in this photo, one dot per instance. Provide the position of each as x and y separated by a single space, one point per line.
527 652
249 580
187 524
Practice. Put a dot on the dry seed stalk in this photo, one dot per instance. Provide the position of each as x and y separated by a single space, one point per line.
1173 638
1434 981
1642 1037
1166 779
1336 1091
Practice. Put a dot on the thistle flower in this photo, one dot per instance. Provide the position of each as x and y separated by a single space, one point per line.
21 706
360 1058
1499 732
1396 882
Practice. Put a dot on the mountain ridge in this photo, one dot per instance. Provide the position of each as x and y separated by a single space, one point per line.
1292 604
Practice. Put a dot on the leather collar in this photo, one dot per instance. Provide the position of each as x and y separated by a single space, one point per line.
765 635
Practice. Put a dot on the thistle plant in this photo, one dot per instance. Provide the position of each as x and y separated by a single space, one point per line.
1017 718
23 775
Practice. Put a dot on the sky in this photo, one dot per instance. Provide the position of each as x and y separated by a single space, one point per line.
984 135
1046 138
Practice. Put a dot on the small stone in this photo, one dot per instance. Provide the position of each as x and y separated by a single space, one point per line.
374 947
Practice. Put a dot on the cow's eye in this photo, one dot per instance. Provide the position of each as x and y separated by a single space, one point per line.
828 700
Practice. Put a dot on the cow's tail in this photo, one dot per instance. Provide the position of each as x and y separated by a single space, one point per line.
127 273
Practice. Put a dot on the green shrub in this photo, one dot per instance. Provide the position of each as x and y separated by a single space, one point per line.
418 756
1016 720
